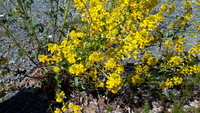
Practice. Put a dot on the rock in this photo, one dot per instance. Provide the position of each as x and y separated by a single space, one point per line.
195 104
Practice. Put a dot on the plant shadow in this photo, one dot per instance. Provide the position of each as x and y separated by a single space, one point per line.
25 102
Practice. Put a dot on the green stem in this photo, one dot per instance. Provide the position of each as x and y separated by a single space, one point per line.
4 6
89 15
65 17
18 66
101 71
15 41
26 18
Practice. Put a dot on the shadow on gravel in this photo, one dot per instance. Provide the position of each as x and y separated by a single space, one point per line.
24 102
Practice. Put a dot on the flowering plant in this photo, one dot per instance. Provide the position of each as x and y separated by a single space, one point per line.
94 54
117 30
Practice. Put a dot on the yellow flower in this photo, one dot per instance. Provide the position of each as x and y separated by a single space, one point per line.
70 105
197 2
137 79
77 69
99 84
119 68
57 110
168 43
60 97
56 69
62 93
96 57
71 58
166 84
43 58
187 4
171 9
114 82
175 60
177 80
141 69
111 64
76 108
169 83
64 108
53 47
146 56
152 61
15 10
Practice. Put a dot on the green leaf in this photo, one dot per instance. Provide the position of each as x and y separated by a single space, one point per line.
50 67
83 87
108 109
165 68
146 107
61 9
32 24
2 93
21 52
45 39
59 85
3 85
47 12
76 81
40 27
88 44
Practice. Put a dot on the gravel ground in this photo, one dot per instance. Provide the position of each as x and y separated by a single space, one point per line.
19 101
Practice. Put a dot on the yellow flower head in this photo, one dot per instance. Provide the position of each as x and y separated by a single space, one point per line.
43 58
64 108
99 84
70 105
77 69
114 82
175 60
53 47
60 97
146 56
76 108
111 64
96 57
137 79
152 61
177 80
57 110
56 69
15 10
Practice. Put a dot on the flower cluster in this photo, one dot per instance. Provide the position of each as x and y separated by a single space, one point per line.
63 109
56 69
175 61
60 97
71 108
74 108
175 46
115 30
77 69
114 82
97 57
169 83
66 50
